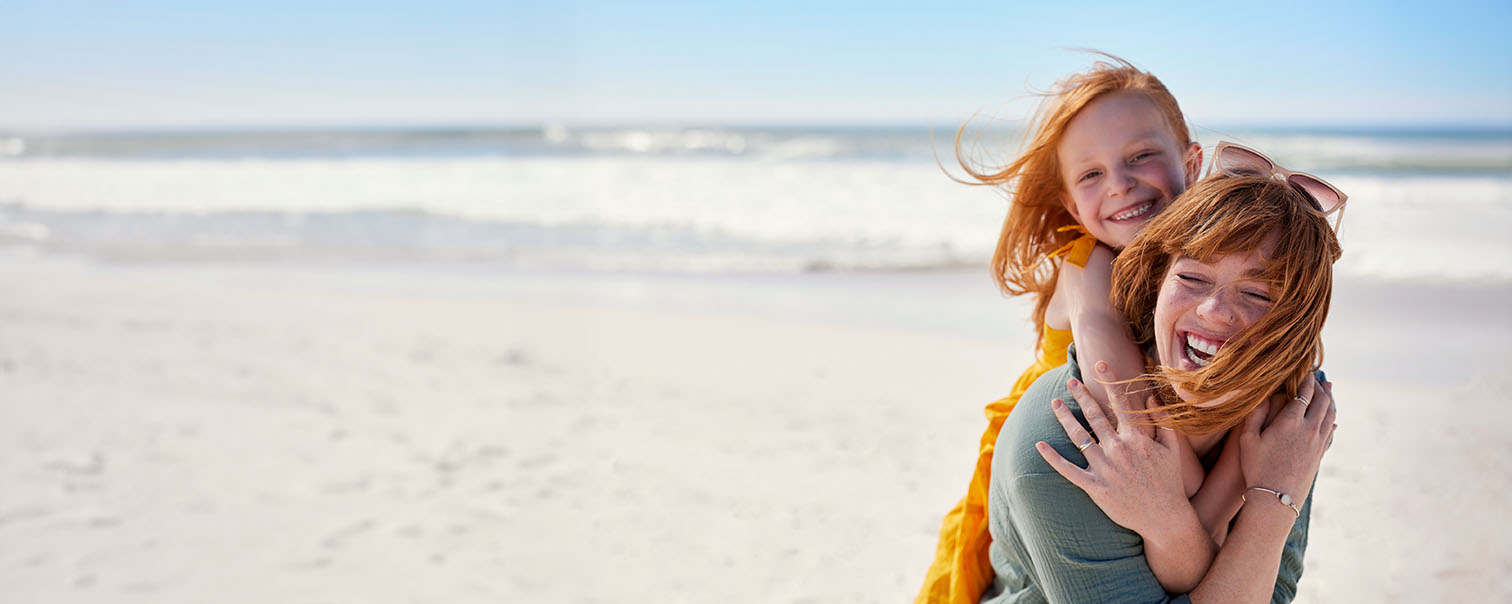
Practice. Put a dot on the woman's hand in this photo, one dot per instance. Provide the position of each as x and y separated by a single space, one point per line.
1133 471
1134 475
1284 455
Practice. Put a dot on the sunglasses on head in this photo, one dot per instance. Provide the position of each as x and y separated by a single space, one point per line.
1239 160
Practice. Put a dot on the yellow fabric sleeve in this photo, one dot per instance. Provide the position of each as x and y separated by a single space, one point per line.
1080 249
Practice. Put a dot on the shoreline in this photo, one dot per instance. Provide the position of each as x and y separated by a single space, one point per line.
1388 329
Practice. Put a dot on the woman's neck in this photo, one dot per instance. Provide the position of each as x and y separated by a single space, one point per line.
1202 445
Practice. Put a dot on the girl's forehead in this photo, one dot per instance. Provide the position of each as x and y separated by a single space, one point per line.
1133 112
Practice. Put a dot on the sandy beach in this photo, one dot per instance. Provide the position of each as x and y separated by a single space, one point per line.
170 438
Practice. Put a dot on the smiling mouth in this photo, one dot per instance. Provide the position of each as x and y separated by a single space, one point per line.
1134 212
1201 350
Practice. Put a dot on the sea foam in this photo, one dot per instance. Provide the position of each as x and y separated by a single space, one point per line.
712 200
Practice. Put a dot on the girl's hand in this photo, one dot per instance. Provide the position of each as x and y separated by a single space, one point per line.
1284 455
1133 471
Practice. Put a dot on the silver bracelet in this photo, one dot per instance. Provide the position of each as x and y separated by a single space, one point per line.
1285 499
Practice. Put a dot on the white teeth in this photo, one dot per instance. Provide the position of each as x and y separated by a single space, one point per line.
1194 359
1139 211
1201 345
1195 345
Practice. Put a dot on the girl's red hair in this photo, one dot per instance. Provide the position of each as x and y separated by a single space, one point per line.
1033 181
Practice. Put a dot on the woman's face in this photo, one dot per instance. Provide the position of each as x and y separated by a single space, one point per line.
1203 305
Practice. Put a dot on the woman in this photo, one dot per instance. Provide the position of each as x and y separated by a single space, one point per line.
1227 291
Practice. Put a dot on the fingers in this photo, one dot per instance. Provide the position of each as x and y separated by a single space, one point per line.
1151 403
1322 402
1090 408
1256 419
1180 441
1074 429
1164 437
1305 396
1162 434
1070 471
1332 421
1330 418
1117 398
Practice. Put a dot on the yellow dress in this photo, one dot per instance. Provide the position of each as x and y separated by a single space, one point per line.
961 571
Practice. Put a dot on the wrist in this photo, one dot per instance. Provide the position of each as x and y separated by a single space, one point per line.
1267 517
1174 526
1263 495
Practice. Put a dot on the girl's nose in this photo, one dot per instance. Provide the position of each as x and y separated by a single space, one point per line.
1120 181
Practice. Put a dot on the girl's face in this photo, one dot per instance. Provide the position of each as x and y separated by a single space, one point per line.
1202 305
1120 166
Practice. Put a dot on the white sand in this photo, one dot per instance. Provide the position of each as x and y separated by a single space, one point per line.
165 440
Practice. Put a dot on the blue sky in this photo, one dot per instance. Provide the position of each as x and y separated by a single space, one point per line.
133 64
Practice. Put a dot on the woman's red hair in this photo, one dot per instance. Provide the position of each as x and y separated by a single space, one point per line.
1218 216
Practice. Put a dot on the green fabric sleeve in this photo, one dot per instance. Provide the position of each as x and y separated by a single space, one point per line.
1077 554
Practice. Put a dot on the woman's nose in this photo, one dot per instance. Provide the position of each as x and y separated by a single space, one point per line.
1218 307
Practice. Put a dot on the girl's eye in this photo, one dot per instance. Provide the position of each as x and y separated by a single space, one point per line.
1089 176
1261 296
1191 279
1143 155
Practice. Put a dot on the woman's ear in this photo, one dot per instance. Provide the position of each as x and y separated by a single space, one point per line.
1193 162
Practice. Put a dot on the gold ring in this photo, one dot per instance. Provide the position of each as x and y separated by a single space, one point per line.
1083 447
1301 400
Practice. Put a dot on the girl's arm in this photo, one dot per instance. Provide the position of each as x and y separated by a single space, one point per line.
1217 501
1100 332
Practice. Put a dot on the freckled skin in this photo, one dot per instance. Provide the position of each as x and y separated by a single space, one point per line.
1213 300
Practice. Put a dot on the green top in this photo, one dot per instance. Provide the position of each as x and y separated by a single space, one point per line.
1050 543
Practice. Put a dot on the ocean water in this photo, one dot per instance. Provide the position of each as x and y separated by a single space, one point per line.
1434 205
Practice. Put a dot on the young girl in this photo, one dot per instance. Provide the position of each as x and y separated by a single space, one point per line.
1110 149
